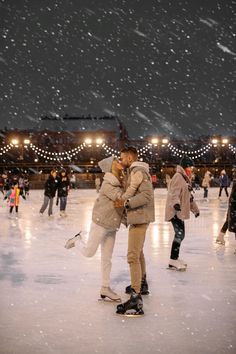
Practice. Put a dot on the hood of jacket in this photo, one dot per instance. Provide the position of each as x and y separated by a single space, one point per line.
181 170
140 164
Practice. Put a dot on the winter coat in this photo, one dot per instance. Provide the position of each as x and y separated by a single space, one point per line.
224 180
206 180
104 212
232 209
141 205
50 187
179 193
13 196
63 186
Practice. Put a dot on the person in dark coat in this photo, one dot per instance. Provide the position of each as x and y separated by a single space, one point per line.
49 192
62 191
230 222
224 183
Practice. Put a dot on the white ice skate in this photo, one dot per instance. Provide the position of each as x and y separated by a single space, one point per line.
71 242
220 239
175 264
183 262
107 292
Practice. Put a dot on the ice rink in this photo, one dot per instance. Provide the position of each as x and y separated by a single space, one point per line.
49 295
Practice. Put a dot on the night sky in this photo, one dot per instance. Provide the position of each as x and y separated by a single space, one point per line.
162 67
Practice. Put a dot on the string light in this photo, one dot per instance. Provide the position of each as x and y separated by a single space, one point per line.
193 154
232 148
5 149
147 149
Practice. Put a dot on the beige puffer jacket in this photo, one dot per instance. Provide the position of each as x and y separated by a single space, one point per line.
104 213
141 209
178 193
206 180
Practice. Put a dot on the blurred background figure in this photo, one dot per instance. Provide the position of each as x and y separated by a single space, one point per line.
224 183
206 184
97 183
62 190
49 192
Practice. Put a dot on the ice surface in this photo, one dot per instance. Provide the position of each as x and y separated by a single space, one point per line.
49 295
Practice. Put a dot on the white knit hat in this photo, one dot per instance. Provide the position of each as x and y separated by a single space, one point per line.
106 164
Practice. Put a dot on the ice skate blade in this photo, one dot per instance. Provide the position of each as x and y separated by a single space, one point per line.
131 313
104 298
176 269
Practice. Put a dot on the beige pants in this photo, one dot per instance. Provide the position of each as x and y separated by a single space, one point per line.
135 256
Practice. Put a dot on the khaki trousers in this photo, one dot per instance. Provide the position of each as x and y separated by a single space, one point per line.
135 256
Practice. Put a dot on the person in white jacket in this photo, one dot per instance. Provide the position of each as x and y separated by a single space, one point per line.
106 220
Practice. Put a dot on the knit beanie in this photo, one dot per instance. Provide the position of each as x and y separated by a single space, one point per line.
186 162
106 164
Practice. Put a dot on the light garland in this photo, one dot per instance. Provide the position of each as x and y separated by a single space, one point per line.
68 155
110 150
55 156
193 154
5 149
232 148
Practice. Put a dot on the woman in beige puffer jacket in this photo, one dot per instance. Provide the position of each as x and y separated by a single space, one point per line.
179 203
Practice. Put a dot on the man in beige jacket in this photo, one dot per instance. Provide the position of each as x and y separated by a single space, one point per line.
139 213
179 203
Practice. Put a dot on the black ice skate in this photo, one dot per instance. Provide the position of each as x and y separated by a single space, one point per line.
143 290
131 308
71 242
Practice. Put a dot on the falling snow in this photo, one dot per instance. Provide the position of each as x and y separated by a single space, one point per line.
79 58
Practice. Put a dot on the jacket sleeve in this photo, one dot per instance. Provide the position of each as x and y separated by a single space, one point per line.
144 196
111 192
135 181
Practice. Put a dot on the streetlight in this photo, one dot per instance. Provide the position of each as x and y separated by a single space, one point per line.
88 141
225 141
17 143
165 141
154 141
99 141
214 141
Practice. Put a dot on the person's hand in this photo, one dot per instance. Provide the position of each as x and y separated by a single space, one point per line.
119 203
197 215
177 207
